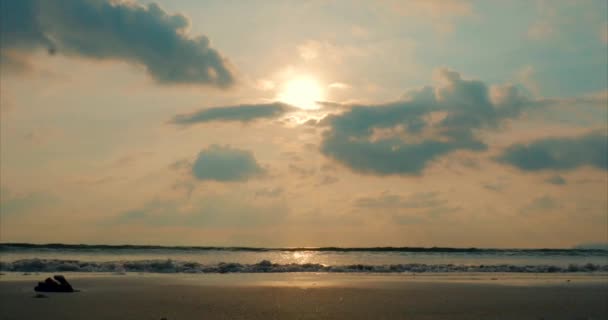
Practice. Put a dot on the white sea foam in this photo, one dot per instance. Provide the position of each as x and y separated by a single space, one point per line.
173 266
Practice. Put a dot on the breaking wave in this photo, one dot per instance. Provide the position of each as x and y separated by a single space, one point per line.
173 266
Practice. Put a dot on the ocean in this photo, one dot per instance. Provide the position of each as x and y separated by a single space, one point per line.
158 259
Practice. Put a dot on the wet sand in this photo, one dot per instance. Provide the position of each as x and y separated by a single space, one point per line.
309 296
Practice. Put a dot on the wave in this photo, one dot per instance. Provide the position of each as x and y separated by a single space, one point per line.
172 266
7 247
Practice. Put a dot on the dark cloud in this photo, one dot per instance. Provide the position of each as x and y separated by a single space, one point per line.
225 164
559 153
558 180
244 113
21 25
425 124
102 29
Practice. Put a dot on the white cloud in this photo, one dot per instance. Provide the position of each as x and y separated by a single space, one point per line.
339 85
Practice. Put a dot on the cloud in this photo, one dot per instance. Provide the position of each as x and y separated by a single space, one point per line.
526 76
265 85
180 164
557 180
404 136
540 204
328 51
559 153
301 171
20 203
338 85
497 187
112 30
596 99
131 158
327 180
210 212
225 164
416 208
309 50
269 192
392 201
548 21
243 113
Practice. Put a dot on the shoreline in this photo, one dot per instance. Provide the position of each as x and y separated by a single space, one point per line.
347 278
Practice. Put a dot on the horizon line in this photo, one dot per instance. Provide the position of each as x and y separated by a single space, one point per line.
589 246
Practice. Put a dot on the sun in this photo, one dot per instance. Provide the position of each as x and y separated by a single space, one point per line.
302 92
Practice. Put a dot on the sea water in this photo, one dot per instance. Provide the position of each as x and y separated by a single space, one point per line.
111 258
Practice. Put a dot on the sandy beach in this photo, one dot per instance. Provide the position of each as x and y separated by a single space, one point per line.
309 296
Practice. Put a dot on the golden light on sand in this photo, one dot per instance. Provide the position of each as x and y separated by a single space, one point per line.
302 92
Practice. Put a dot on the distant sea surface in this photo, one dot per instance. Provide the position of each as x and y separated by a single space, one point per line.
21 257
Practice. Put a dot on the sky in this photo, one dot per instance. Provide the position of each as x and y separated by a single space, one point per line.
304 123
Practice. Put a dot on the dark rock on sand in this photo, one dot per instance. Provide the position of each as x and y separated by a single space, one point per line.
40 295
50 285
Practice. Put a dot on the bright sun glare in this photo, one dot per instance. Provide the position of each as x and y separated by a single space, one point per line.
302 92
